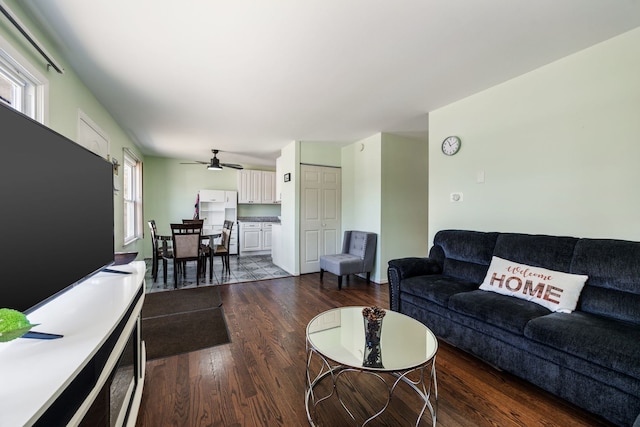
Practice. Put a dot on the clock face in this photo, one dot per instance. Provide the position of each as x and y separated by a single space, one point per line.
451 145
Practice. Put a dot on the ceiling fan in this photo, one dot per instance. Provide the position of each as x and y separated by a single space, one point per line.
214 164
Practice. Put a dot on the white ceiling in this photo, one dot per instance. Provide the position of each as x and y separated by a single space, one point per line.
250 76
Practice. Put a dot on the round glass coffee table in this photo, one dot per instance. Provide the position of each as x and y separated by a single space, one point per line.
407 350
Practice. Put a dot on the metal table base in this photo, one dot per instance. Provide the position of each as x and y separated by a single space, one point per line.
425 386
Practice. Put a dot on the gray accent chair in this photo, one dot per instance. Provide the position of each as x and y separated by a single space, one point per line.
358 255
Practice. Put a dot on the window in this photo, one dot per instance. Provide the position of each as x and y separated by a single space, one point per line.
10 89
21 86
132 194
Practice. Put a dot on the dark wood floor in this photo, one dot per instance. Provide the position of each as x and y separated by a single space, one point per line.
259 378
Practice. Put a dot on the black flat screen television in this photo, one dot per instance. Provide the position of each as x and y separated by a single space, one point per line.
56 212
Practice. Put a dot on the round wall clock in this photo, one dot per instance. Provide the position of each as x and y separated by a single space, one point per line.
451 145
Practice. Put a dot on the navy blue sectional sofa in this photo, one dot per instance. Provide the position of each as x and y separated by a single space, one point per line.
590 357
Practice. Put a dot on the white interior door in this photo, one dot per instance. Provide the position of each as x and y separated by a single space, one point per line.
320 211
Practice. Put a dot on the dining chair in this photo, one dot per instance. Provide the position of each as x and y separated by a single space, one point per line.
221 250
156 249
193 221
186 247
203 247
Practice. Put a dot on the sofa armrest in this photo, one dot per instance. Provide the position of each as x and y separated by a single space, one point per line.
404 268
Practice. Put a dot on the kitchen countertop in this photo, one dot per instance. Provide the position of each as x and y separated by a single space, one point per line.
258 219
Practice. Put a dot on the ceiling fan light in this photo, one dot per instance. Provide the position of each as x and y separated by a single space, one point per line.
214 168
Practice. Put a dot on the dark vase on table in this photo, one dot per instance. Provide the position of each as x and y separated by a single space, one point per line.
372 351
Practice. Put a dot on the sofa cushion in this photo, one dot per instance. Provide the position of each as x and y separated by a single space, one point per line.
610 303
554 290
609 343
613 288
436 288
463 254
341 264
511 314
538 250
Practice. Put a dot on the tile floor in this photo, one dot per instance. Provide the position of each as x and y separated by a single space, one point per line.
243 269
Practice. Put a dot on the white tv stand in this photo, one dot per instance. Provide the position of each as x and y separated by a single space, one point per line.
73 380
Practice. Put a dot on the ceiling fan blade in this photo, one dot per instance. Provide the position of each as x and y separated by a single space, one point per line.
214 163
231 165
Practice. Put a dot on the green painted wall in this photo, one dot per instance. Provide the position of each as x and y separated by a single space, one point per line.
67 94
361 190
384 190
361 185
321 153
404 208
558 146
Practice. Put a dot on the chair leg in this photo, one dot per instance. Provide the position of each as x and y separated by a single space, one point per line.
204 266
164 270
321 274
176 271
211 268
198 267
368 277
154 268
339 282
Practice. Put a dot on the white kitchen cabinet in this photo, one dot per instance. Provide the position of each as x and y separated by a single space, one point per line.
215 207
244 186
257 187
230 199
255 237
212 210
250 237
266 235
212 195
268 192
249 186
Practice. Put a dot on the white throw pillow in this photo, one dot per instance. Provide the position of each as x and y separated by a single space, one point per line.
554 290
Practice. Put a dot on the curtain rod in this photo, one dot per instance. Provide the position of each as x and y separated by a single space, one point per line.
16 23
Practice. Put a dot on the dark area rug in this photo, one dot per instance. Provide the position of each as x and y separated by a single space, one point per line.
179 301
181 321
